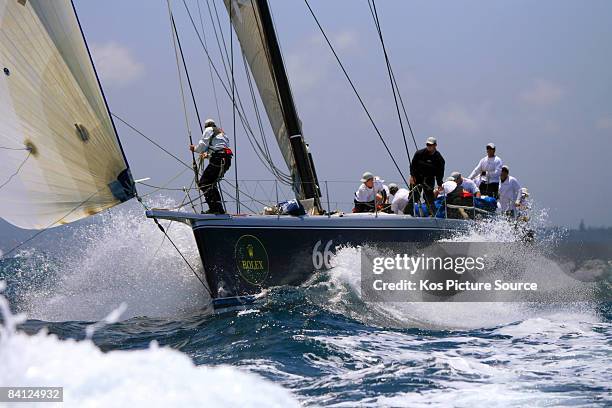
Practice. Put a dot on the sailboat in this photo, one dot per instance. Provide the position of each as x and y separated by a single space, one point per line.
59 133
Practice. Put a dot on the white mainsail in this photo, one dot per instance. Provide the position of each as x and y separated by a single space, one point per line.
247 25
51 104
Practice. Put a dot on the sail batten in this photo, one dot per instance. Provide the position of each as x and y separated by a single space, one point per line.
51 102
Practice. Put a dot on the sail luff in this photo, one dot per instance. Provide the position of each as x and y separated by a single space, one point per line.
93 66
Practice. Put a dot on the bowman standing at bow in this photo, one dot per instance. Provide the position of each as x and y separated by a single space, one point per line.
214 146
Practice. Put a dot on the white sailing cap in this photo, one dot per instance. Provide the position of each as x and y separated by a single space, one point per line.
366 176
450 178
209 122
524 191
393 185
455 175
491 145
431 140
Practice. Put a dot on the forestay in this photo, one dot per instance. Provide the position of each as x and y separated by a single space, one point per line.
52 105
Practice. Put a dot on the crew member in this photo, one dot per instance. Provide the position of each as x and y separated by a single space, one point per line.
488 171
446 188
509 193
399 198
426 169
455 194
392 189
524 205
370 193
467 184
213 146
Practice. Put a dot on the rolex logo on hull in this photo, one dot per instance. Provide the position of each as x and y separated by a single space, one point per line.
251 259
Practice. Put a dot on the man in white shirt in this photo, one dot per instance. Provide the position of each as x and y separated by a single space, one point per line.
467 184
509 193
370 193
213 146
488 172
398 198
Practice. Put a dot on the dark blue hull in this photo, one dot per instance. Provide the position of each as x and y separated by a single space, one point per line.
243 255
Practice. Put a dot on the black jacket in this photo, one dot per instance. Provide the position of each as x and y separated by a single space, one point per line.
425 165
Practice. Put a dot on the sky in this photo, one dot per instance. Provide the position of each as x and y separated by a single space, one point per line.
534 77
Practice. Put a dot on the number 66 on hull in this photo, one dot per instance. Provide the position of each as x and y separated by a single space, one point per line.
322 259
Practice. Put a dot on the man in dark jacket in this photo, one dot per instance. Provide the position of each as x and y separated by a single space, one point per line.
426 169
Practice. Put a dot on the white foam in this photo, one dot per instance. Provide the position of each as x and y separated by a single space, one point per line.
538 362
121 259
153 377
344 289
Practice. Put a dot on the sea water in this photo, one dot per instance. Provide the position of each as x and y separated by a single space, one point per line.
317 345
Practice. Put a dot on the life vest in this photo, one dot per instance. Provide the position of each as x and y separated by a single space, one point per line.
459 196
466 194
226 150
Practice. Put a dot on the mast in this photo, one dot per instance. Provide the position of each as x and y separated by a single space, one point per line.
306 173
253 24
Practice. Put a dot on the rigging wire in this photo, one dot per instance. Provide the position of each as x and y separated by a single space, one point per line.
355 91
14 148
269 61
18 169
161 228
22 243
394 85
218 22
165 185
212 79
150 140
175 39
161 244
399 94
195 105
374 13
180 78
258 116
234 109
284 178
240 108
264 154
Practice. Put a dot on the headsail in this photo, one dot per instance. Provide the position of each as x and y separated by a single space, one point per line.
51 103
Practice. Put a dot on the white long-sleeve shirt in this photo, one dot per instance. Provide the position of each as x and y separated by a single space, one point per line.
492 166
213 139
400 199
509 194
365 194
